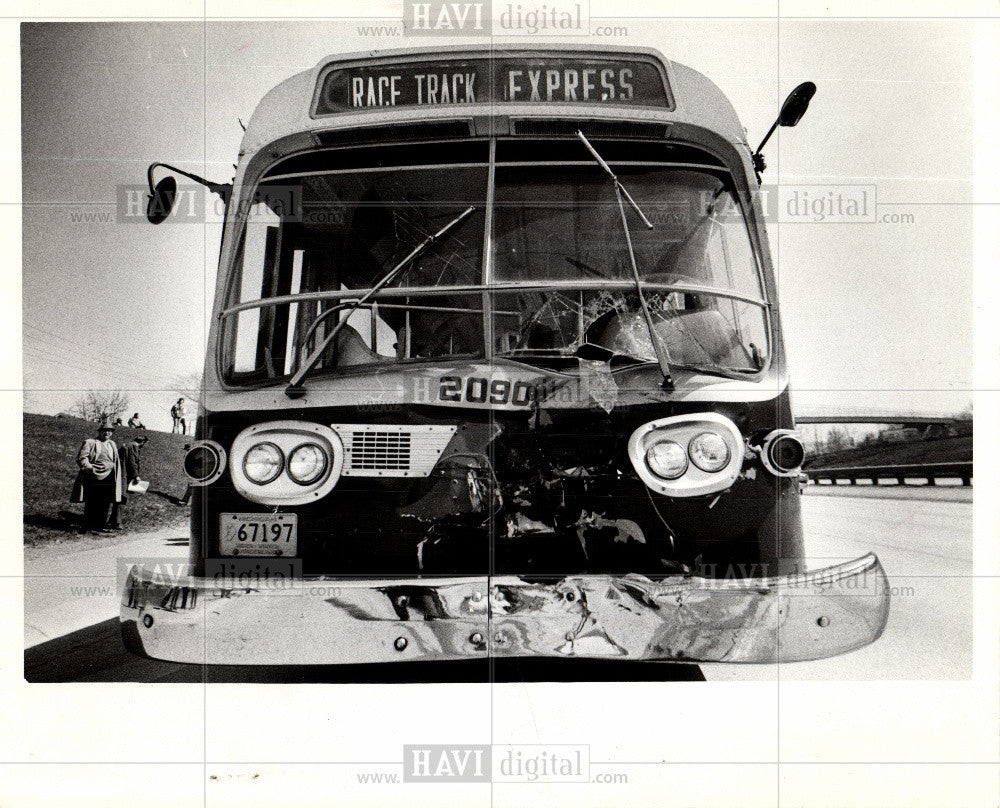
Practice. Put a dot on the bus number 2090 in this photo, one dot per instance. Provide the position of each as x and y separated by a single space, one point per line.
480 390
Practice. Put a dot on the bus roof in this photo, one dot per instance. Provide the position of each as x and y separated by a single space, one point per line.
290 108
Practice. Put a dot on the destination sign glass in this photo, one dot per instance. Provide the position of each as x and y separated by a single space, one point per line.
622 82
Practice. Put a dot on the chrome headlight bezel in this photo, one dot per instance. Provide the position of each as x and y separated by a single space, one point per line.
682 429
287 436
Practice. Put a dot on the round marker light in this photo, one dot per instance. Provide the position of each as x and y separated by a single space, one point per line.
307 463
782 453
667 459
263 463
201 462
709 451
786 453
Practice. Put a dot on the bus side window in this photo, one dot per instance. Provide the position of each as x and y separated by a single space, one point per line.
260 253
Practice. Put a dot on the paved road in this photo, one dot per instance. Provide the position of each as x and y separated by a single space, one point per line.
926 549
67 589
71 632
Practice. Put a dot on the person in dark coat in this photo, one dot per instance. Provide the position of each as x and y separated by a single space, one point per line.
100 483
131 455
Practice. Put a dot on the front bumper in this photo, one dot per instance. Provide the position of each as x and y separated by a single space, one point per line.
337 621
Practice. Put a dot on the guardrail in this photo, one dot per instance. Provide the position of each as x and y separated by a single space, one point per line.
931 472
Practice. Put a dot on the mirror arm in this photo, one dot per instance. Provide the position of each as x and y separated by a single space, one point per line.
767 137
222 190
758 159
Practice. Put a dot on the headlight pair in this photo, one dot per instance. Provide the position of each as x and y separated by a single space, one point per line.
688 455
669 460
265 461
286 462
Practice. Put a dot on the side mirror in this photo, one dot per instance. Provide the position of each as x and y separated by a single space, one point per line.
161 200
796 104
792 110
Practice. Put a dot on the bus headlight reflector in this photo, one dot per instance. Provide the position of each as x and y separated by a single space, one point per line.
689 455
667 459
307 463
709 451
263 463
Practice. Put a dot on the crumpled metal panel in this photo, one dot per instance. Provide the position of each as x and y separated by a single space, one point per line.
330 621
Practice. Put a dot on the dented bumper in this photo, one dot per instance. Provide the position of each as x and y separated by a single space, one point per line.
337 621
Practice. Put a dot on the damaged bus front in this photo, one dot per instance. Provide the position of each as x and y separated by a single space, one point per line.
496 368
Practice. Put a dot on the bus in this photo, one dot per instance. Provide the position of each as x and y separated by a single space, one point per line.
495 369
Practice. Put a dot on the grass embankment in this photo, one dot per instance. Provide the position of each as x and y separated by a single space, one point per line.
940 450
50 447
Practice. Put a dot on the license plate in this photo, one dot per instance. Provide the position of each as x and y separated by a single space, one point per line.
258 534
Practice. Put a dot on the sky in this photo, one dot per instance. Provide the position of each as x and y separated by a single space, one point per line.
876 314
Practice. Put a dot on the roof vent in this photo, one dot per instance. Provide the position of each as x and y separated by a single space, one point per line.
629 130
396 133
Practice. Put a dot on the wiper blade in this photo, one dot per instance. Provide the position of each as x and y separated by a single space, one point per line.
621 194
618 185
295 389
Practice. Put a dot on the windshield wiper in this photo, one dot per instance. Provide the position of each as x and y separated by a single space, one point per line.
295 389
621 194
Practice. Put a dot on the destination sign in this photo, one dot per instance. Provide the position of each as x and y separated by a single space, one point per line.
523 80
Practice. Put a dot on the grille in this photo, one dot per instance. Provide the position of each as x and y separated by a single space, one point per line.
380 450
391 450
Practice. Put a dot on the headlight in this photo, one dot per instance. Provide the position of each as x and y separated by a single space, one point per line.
709 451
263 463
307 463
667 459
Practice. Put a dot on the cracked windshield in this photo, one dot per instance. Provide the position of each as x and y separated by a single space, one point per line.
561 281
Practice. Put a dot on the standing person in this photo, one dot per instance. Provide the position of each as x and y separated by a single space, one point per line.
131 455
135 423
179 415
100 484
182 415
